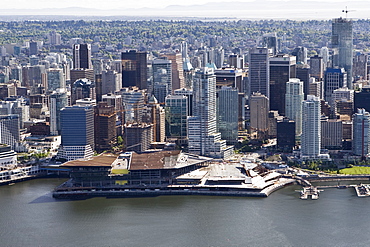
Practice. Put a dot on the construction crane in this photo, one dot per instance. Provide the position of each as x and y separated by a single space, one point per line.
346 11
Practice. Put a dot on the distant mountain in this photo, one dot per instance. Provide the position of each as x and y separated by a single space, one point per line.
291 9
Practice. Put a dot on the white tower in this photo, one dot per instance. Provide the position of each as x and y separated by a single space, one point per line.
202 129
294 97
311 128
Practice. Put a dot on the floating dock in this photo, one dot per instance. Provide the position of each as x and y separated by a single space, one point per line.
362 190
312 192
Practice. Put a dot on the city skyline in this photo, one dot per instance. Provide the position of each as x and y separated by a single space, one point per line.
326 9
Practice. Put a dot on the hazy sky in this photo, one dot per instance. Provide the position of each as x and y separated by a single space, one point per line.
114 4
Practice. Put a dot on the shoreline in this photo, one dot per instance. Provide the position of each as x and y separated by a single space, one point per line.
86 193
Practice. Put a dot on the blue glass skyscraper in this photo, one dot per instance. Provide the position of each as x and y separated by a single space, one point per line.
77 129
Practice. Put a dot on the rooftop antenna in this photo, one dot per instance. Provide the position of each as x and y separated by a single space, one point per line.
346 11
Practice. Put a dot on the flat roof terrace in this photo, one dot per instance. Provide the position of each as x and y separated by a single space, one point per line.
101 160
164 160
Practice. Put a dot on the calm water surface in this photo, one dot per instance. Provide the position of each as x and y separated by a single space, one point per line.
29 216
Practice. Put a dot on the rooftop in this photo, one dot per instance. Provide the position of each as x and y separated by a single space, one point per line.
173 159
101 160
155 160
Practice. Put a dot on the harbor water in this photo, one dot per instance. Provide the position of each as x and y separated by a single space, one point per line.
31 217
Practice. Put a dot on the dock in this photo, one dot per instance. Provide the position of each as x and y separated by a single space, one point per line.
308 192
362 190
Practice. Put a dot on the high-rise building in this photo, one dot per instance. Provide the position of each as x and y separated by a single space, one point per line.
138 136
162 78
324 53
230 77
116 101
17 106
99 88
362 99
81 89
342 99
7 90
331 133
343 93
270 41
76 74
177 111
282 68
77 131
360 63
301 55
236 61
9 130
202 126
34 49
273 118
38 106
334 79
178 80
33 77
189 94
184 50
157 117
113 100
133 101
134 69
54 38
286 135
361 133
317 67
111 81
303 73
56 79
342 41
227 114
315 88
188 74
16 73
259 110
343 109
293 103
219 57
82 56
347 134
311 129
57 101
105 127
259 71
98 66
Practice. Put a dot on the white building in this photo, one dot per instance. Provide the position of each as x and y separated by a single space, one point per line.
16 106
8 158
202 130
311 129
343 93
293 103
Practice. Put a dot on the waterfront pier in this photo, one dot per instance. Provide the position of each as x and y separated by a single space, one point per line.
362 190
312 192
